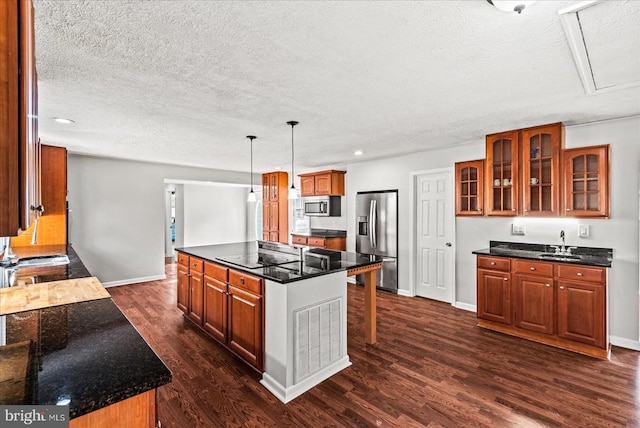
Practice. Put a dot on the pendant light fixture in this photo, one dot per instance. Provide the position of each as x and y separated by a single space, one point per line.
252 195
293 194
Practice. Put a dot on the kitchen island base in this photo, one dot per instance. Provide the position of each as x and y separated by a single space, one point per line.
305 333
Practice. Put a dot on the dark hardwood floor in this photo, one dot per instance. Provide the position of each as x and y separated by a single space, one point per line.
431 367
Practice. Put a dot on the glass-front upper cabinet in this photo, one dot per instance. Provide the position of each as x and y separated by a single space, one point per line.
541 184
469 188
586 182
501 182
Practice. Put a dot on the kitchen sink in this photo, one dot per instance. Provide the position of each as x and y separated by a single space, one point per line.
560 256
40 261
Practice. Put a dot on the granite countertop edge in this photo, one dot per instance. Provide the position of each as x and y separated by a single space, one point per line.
322 233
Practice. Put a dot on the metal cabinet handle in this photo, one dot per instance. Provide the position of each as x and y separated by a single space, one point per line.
579 273
547 285
505 279
493 263
532 268
561 287
241 280
568 209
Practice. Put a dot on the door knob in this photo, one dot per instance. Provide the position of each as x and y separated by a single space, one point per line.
448 244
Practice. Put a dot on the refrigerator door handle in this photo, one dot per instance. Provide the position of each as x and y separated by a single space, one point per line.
374 221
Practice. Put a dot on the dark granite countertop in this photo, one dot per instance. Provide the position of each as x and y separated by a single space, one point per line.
590 256
322 233
87 354
287 272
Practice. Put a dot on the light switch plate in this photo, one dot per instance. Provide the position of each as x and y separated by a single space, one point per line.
583 231
517 229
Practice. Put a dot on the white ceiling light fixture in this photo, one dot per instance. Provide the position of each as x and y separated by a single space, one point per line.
63 120
293 194
358 152
510 5
252 195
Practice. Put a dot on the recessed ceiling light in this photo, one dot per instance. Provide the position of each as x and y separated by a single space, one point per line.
62 120
358 152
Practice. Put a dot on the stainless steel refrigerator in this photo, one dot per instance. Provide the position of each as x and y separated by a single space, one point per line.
377 234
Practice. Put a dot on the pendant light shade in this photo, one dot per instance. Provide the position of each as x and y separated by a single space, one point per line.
293 194
252 195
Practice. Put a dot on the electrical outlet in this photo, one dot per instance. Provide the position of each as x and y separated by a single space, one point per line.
517 229
583 231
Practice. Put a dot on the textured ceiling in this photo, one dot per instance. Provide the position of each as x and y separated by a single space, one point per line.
184 82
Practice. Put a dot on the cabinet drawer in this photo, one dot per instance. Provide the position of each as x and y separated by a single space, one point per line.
315 242
494 263
582 273
301 240
245 282
216 271
196 265
534 268
183 259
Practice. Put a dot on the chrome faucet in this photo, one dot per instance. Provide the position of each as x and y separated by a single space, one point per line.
563 250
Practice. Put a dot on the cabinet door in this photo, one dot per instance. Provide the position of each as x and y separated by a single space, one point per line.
274 218
307 185
245 325
494 296
502 183
274 191
533 306
314 241
581 312
215 308
541 181
265 187
469 187
299 240
183 288
323 184
586 182
196 297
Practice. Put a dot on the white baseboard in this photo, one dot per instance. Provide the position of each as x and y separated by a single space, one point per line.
465 306
133 280
351 279
625 343
405 293
286 394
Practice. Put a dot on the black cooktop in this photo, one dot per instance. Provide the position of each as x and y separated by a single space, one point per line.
258 260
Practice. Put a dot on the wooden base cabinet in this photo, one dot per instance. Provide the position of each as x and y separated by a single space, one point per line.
558 304
227 304
332 243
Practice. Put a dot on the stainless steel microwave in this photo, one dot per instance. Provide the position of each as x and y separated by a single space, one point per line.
322 206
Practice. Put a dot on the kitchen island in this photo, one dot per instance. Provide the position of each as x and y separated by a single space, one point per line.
86 355
295 298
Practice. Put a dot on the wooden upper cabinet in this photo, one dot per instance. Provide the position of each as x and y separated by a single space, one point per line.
275 206
541 180
501 178
322 183
586 182
19 183
469 188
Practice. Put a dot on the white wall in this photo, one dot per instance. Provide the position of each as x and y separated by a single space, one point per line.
117 208
214 214
620 232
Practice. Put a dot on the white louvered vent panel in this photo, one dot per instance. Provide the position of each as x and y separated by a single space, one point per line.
317 338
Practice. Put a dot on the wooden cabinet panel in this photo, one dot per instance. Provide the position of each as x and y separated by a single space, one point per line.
246 282
196 265
183 260
275 216
541 181
330 182
494 296
586 182
534 268
183 287
246 325
534 303
215 308
469 188
196 296
494 263
581 312
216 271
501 174
265 187
313 241
299 240
582 273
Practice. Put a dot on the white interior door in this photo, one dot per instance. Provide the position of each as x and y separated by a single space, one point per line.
435 255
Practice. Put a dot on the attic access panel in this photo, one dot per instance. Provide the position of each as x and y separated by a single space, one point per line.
605 40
